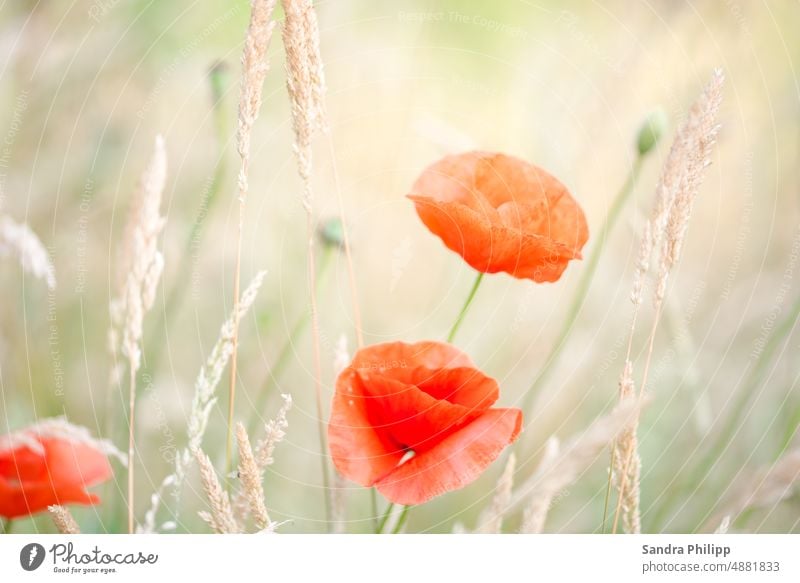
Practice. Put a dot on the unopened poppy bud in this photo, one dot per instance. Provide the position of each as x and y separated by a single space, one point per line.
331 233
219 79
654 126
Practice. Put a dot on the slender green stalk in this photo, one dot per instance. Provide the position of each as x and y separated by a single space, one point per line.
791 430
588 271
401 521
749 388
285 352
465 307
608 488
6 526
374 500
218 82
385 518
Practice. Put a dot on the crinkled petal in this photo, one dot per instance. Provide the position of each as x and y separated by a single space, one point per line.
456 462
493 248
360 452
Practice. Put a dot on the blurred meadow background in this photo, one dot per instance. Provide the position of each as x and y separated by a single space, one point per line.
85 86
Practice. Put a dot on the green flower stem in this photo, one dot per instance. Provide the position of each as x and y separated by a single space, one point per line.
465 307
6 526
218 82
384 518
589 269
702 468
373 495
285 352
401 521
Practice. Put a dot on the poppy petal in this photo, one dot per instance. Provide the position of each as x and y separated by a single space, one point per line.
494 248
359 452
400 355
501 213
409 417
74 463
464 386
455 462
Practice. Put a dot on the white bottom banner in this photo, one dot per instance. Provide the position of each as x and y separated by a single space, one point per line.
403 558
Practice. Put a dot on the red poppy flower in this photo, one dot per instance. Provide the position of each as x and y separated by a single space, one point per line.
501 213
414 420
50 463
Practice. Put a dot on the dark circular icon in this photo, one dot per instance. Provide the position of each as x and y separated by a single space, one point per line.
31 556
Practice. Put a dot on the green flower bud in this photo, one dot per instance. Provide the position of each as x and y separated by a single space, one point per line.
219 78
331 233
654 126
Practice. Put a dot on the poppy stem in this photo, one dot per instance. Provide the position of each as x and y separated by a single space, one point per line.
300 324
401 521
465 307
579 297
384 518
374 500
6 526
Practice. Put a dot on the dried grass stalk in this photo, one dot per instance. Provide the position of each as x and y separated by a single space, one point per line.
140 263
306 85
221 518
63 520
254 70
491 519
535 514
305 82
274 432
17 240
203 402
675 194
261 456
251 476
626 472
139 271
557 473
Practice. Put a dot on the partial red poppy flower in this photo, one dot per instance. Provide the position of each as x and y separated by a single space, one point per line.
501 213
49 463
415 420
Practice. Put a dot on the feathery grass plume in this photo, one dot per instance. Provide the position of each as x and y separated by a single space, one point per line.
221 518
626 447
675 193
305 82
274 432
535 514
203 402
491 519
699 134
681 176
251 476
209 377
63 520
139 268
148 525
562 469
254 70
19 241
769 486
